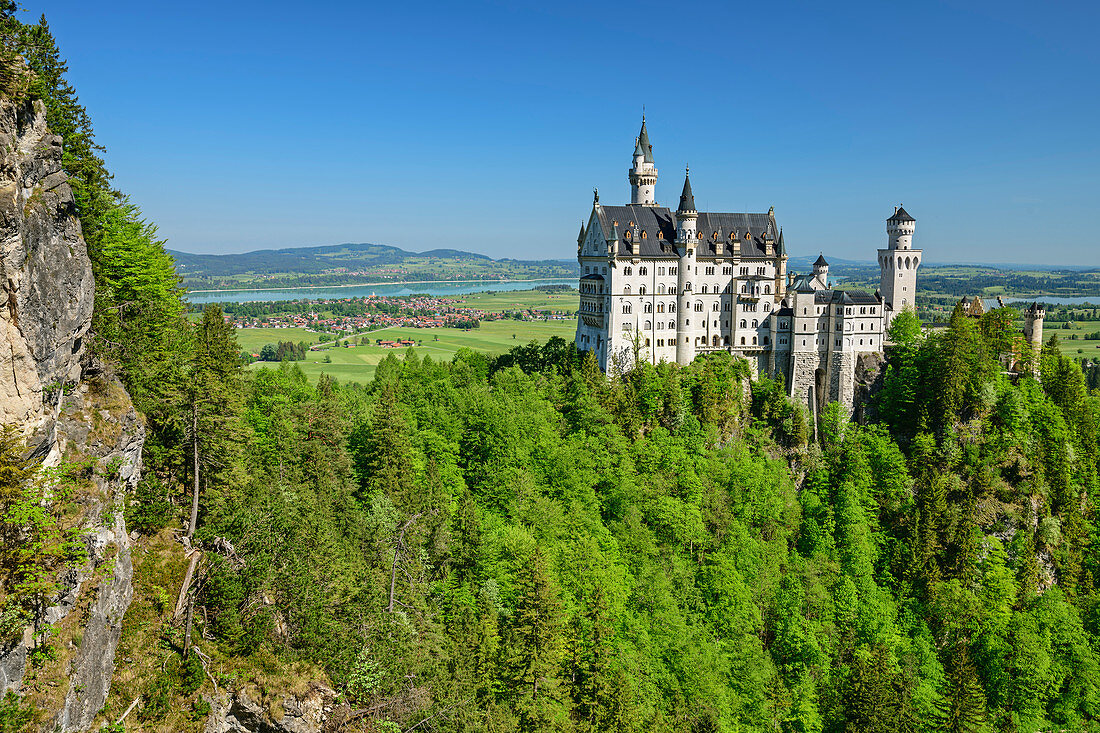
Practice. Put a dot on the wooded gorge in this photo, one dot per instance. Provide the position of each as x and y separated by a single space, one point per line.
521 543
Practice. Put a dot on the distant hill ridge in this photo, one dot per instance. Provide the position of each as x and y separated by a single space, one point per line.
313 260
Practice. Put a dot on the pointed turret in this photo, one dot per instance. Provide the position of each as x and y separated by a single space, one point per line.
781 248
643 173
686 214
643 143
687 200
580 237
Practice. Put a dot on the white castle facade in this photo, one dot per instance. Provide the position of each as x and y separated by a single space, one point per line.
662 285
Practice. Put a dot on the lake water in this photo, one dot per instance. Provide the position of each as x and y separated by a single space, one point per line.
1090 299
440 289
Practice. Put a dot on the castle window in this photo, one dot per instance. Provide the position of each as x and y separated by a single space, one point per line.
755 323
660 271
744 323
672 271
647 342
643 271
626 290
698 307
587 269
648 307
644 234
766 342
754 341
661 289
861 342
672 290
767 290
660 307
725 306
628 271
714 341
648 327
626 327
660 325
671 325
703 290
710 270
767 306
687 287
626 307
838 342
803 311
782 340
744 271
742 340
727 271
641 290
717 306
671 307
660 342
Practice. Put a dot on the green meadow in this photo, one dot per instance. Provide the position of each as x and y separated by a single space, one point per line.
357 363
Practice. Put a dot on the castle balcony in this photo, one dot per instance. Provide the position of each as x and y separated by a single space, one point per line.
593 320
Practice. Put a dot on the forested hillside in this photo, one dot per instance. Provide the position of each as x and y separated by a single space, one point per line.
524 544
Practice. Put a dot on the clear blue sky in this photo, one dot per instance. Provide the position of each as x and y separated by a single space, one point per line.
485 126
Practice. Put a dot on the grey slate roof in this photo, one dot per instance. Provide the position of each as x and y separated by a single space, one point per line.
845 297
901 215
821 261
592 276
659 225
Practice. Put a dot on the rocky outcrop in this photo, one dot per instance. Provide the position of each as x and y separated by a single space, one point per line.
68 407
46 285
236 712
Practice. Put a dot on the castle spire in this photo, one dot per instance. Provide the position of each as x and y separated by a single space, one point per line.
643 143
687 199
643 173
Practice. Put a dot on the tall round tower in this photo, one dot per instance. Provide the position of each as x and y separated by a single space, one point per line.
643 175
686 220
898 264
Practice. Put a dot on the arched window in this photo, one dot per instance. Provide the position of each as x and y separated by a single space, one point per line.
717 306
766 340
672 324
754 341
687 287
641 290
671 307
660 307
742 340
643 271
647 342
767 290
626 307
714 341
626 290
704 289
755 323
661 289
648 307
744 323
628 271
725 340
767 306
649 325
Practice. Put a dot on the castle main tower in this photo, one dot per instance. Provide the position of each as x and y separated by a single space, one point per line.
643 176
686 221
899 263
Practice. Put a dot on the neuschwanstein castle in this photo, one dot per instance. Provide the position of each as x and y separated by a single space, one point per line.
662 285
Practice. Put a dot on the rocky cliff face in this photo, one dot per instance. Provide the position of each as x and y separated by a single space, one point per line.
68 407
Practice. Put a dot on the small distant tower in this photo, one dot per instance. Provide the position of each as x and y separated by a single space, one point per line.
686 219
643 176
898 264
821 271
1033 326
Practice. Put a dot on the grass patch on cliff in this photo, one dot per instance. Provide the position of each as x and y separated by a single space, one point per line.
148 662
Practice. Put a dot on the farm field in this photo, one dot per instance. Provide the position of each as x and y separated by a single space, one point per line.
520 300
1075 348
357 364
